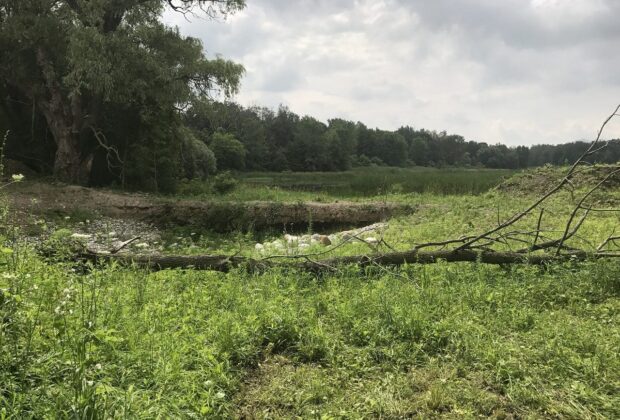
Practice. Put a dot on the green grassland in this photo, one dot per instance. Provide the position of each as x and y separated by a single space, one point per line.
360 184
445 340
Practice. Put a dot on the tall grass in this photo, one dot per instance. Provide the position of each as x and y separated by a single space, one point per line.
462 340
374 181
357 184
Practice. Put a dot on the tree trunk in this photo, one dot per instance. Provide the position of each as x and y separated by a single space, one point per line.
64 118
225 262
69 165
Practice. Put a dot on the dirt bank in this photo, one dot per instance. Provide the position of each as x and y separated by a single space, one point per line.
43 198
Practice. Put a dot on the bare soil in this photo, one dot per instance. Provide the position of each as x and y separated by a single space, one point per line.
52 198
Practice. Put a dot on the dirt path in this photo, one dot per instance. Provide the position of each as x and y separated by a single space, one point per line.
43 198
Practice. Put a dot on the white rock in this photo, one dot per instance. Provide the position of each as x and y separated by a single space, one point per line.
142 245
259 247
81 236
372 241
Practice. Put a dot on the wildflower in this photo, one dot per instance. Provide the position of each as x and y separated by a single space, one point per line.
9 276
90 383
17 177
98 366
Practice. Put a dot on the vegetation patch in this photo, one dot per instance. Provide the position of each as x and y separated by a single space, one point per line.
540 180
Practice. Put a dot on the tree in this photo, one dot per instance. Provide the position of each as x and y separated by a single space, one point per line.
229 152
75 59
197 159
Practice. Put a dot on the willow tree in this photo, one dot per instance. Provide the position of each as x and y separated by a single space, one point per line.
73 59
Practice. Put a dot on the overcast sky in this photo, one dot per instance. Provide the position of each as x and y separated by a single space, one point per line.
509 71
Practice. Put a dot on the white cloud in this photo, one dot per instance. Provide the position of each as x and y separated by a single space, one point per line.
515 71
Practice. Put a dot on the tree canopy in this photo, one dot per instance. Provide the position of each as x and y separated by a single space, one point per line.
107 76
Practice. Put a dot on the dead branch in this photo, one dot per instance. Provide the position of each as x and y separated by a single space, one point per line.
593 148
225 262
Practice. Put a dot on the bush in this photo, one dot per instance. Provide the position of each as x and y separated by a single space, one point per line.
197 159
224 182
229 152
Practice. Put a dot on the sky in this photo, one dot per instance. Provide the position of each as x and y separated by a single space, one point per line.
517 72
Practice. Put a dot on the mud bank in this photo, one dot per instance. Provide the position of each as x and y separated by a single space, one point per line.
219 216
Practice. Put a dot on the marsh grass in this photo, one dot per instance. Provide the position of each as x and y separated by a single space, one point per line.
356 184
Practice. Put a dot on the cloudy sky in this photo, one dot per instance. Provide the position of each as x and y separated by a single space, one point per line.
509 71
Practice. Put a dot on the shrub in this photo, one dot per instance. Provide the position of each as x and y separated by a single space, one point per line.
229 152
197 159
224 182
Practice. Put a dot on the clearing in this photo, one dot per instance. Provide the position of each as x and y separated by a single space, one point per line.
443 340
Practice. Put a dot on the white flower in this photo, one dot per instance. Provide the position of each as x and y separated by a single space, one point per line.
17 177
98 366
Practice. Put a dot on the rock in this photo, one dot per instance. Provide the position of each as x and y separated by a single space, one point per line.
259 247
324 240
291 240
142 245
371 241
81 236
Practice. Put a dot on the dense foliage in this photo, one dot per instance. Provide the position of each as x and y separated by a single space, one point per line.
282 140
93 90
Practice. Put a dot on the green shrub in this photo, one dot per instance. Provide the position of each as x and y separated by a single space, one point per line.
224 183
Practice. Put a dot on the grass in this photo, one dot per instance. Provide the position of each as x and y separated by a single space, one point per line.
454 340
444 340
356 184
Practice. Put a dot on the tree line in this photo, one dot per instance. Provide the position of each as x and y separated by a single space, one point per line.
281 140
102 92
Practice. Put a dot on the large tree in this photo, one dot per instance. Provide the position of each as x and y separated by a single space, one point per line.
81 61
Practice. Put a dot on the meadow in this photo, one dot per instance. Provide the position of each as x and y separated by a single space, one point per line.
358 184
444 340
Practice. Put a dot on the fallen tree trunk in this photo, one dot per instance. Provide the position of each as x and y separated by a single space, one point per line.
224 263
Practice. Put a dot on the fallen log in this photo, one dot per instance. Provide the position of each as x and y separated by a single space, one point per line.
225 262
